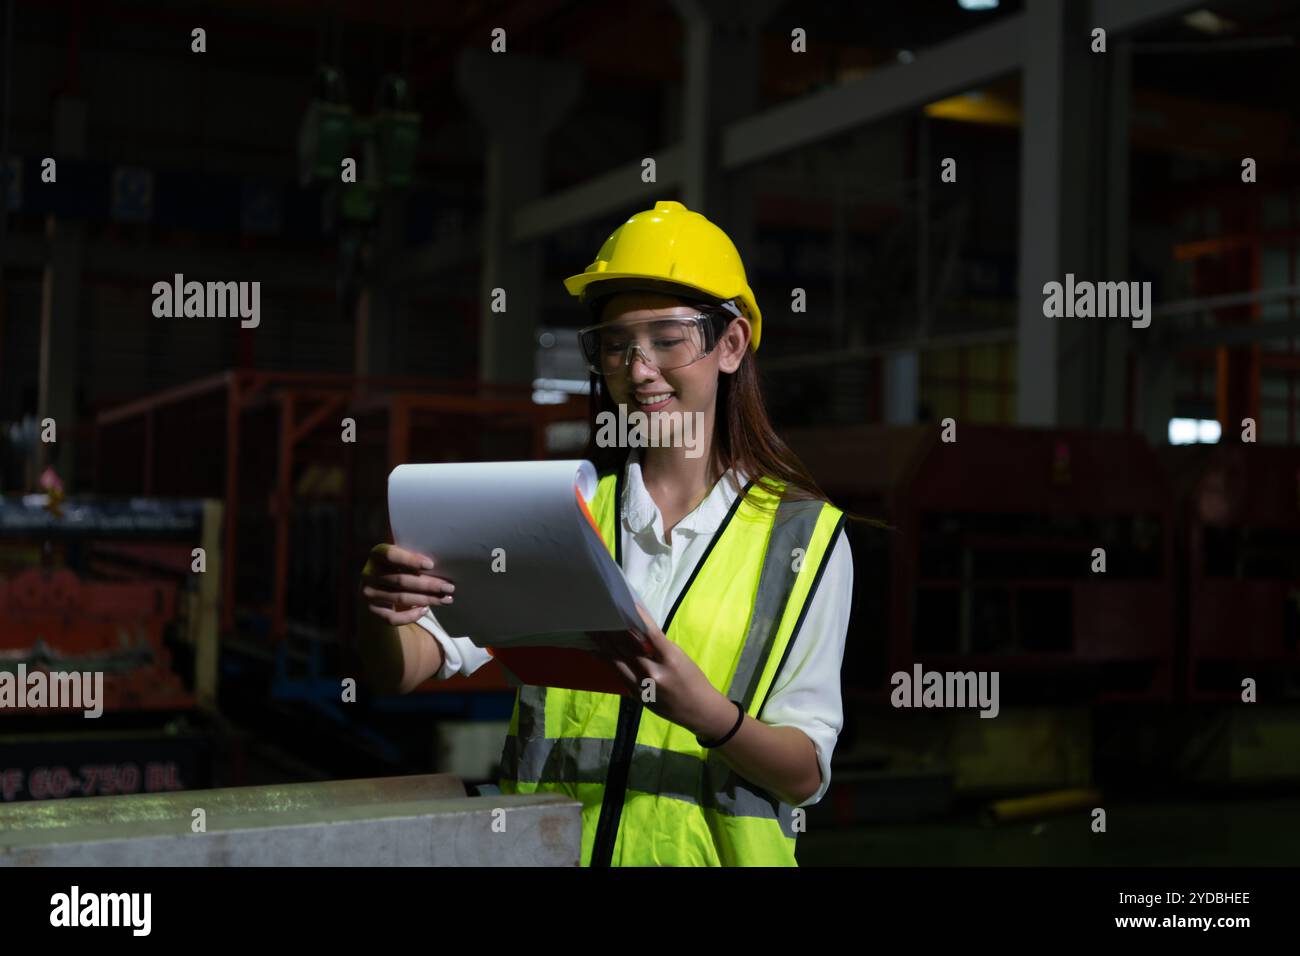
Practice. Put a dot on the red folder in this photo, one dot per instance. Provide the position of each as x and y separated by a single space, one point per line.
561 667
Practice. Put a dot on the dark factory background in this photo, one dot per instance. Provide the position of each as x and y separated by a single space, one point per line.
1169 157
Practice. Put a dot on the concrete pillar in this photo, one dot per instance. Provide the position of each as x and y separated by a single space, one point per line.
61 303
518 99
1042 160
723 60
901 371
1073 216
1157 389
1116 339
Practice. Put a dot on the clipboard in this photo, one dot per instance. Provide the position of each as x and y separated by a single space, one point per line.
533 574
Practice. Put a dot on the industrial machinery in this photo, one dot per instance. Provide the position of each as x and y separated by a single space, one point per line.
1243 566
1044 555
97 588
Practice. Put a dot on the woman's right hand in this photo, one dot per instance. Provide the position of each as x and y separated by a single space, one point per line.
398 586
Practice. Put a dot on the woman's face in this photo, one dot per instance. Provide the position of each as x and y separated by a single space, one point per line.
688 389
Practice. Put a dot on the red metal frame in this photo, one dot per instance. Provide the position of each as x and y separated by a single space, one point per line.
1230 263
302 403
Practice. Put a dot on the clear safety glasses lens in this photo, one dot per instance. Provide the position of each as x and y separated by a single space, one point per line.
663 343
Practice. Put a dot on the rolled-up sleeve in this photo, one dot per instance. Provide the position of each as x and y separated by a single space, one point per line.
806 693
460 655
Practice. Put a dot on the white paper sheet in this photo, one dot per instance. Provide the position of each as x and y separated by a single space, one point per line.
559 579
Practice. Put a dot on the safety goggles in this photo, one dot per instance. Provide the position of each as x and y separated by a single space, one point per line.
662 343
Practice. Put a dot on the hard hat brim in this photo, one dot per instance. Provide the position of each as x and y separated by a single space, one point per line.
610 283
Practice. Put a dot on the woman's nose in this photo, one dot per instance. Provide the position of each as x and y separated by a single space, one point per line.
638 363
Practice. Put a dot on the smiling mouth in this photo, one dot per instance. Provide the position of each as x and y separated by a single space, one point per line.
652 402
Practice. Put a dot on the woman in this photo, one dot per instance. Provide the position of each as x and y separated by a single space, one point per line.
741 566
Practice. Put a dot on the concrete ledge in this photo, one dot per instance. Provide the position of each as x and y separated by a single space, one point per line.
393 821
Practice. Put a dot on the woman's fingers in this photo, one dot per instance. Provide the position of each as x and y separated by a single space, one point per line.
401 599
627 674
618 648
397 586
395 617
407 598
650 641
418 583
658 644
619 644
604 652
408 560
427 585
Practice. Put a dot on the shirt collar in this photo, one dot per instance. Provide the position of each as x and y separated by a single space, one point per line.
640 512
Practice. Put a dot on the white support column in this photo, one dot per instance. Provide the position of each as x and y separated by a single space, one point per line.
697 103
1042 162
518 99
902 370
1114 347
901 392
723 54
1073 216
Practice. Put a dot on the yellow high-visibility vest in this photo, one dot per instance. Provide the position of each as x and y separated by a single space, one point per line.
650 794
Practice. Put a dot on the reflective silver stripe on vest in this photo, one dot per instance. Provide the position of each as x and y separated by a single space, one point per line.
532 723
792 527
710 784
532 711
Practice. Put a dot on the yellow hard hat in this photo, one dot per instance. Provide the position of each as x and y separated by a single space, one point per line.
670 249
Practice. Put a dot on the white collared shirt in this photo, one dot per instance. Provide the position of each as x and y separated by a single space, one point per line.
806 693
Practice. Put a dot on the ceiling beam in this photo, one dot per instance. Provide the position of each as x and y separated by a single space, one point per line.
610 192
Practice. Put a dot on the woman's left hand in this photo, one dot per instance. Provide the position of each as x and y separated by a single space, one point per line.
677 690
